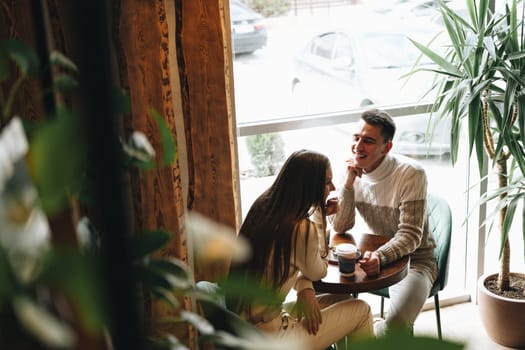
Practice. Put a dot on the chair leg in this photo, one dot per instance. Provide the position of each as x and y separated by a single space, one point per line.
438 317
382 307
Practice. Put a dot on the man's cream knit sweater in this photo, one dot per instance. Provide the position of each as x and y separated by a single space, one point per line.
392 201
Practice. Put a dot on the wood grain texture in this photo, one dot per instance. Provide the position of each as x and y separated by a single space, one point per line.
16 24
145 70
142 36
204 64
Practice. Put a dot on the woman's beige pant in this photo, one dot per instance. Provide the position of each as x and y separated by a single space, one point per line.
342 316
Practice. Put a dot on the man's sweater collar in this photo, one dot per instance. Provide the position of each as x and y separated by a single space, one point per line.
382 171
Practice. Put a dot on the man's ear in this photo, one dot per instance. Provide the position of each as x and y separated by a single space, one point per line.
388 147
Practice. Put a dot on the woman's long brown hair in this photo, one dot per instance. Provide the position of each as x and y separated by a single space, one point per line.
270 224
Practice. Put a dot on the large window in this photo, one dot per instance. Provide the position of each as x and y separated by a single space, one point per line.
318 68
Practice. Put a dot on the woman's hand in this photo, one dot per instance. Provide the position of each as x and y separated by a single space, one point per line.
308 307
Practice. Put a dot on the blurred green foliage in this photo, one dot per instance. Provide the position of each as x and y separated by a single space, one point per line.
269 8
266 152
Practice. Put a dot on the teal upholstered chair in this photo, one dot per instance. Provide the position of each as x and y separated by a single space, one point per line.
440 222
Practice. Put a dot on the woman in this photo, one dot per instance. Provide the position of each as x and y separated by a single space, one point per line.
286 228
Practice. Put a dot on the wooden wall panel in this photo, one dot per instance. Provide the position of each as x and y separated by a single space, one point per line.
143 57
205 66
15 23
145 71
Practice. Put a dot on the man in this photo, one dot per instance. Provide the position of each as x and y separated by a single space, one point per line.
389 191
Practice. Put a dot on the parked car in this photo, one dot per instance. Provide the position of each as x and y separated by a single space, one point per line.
363 64
247 27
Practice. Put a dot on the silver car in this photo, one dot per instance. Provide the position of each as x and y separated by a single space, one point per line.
248 30
364 63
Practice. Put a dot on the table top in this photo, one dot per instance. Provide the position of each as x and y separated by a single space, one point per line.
390 274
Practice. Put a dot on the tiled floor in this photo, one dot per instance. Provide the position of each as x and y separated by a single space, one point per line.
460 323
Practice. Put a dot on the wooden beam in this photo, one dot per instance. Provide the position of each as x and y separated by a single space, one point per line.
205 70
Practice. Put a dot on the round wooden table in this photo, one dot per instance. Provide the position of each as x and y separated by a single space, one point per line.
390 274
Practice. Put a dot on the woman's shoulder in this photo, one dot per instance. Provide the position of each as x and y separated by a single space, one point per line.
306 229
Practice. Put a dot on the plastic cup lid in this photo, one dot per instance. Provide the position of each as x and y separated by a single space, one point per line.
345 249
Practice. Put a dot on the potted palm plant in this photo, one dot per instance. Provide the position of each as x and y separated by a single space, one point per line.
481 86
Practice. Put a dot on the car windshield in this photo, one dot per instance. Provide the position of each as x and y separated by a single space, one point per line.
385 50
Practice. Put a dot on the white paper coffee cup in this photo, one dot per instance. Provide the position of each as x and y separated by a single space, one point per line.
347 254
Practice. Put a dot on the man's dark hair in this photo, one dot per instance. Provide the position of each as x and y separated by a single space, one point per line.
382 119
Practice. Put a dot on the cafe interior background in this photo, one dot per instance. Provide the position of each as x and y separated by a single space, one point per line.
241 88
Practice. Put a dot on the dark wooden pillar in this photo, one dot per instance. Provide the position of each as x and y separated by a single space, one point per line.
205 69
142 47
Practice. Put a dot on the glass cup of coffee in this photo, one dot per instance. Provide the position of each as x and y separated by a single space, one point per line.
347 255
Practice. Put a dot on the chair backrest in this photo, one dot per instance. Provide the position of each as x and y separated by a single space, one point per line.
440 226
